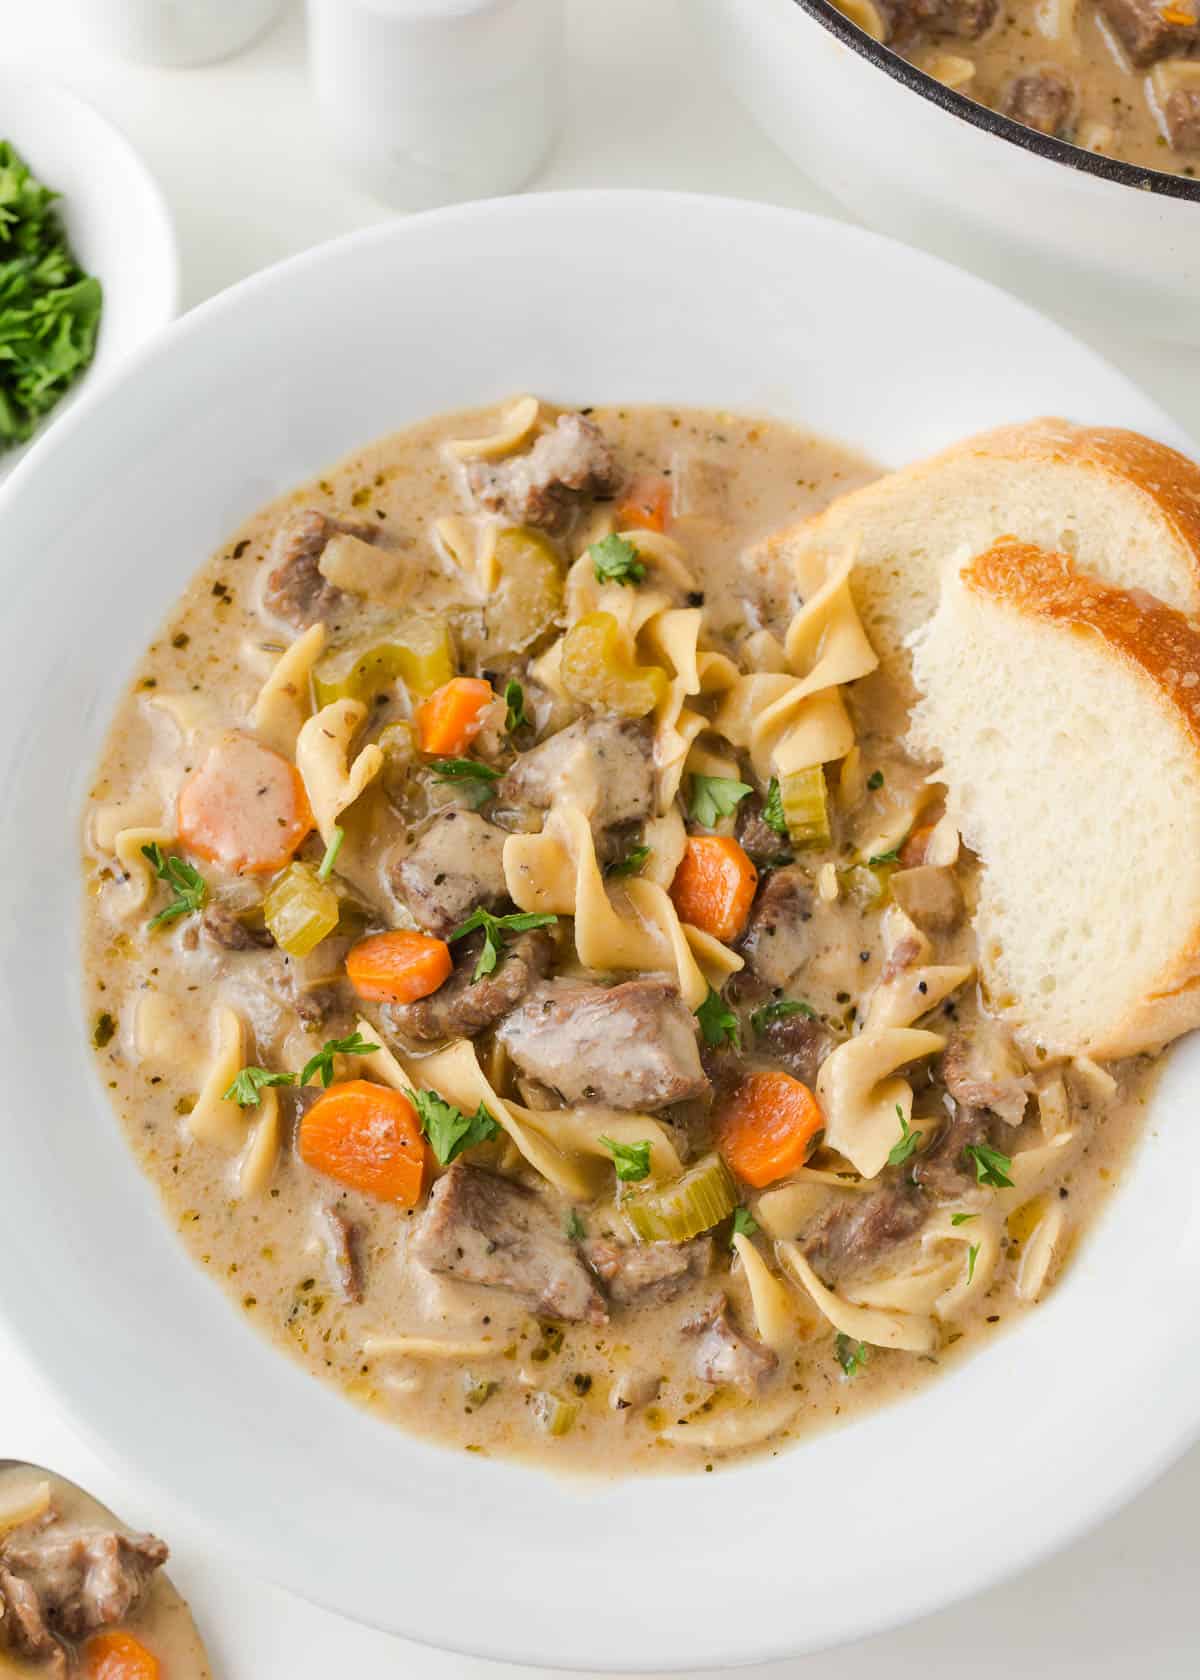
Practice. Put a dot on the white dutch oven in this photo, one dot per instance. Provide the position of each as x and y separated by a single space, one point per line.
1079 233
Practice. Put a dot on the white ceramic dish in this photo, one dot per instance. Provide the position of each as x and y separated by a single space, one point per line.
1080 234
584 297
114 214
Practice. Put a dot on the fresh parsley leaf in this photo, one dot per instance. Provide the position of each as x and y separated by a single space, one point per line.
744 1223
631 863
331 854
615 560
188 885
631 1160
772 813
102 1032
448 1129
875 780
246 1090
496 930
779 1011
851 1355
475 781
962 1218
718 1023
991 1167
972 1256
907 1143
714 797
514 698
575 1228
881 858
322 1062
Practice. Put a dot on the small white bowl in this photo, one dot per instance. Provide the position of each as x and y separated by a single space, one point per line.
114 213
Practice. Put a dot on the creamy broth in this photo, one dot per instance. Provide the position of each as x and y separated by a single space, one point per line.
633 1380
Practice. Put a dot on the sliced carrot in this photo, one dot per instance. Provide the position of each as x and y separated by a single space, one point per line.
646 505
912 853
245 807
367 1137
769 1128
116 1655
714 885
453 715
398 967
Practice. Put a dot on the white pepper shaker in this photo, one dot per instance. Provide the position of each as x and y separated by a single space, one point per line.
431 101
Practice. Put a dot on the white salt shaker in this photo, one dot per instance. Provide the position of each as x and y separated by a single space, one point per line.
430 101
175 33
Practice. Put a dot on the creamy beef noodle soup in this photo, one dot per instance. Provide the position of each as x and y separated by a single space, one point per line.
1120 77
81 1595
509 907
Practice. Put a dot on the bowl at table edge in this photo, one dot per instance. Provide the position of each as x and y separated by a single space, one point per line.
587 298
1085 236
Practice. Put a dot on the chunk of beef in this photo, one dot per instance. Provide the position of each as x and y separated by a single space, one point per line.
778 937
1181 113
231 933
628 1046
980 1068
856 1230
795 1043
724 1355
609 760
1043 99
65 1580
343 1241
482 1228
316 1005
455 865
646 1274
464 1006
1146 33
296 589
543 486
961 20
930 897
756 836
944 1171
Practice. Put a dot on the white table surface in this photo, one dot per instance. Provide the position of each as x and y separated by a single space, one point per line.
238 151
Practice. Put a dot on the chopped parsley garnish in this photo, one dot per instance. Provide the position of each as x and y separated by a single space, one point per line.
631 863
322 1062
962 1218
780 1010
744 1223
474 780
246 1090
325 869
448 1129
718 1023
575 1228
772 812
615 560
714 797
851 1355
102 1032
514 698
991 1166
496 930
631 1160
906 1144
188 885
881 858
972 1256
875 780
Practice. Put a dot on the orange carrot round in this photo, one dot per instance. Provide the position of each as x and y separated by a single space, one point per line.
646 505
368 1138
398 967
769 1128
452 716
117 1655
714 885
245 807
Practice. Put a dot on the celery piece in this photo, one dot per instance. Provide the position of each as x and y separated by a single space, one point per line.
597 669
528 596
418 652
805 810
554 1414
299 910
681 1210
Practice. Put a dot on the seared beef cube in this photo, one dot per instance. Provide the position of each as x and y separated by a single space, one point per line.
1043 100
610 758
778 939
628 1046
544 486
962 20
296 589
930 897
231 933
944 1170
464 1006
1146 34
1181 113
857 1229
795 1043
343 1241
64 1581
646 1274
481 1228
755 835
724 1355
981 1069
455 865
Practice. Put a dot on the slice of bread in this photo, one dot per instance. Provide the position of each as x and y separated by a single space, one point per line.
1125 508
1066 716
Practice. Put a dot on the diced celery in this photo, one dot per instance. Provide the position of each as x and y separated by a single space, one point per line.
676 1212
554 1414
805 806
398 743
529 594
597 670
299 910
418 651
